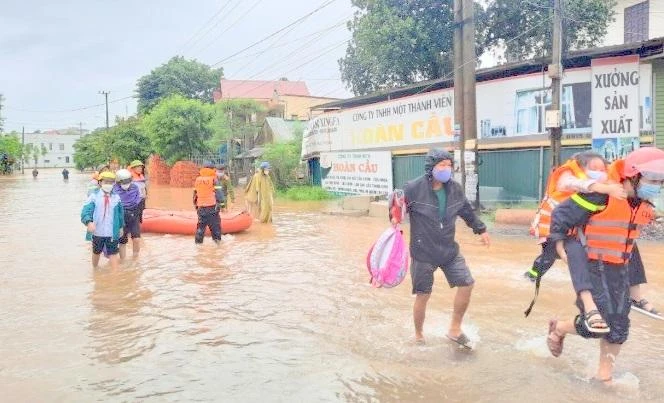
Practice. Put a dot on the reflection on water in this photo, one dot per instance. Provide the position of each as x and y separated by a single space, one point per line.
279 313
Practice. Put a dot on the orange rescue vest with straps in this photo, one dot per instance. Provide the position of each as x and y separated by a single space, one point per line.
204 185
553 197
610 234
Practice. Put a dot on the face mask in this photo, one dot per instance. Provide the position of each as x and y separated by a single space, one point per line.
442 175
648 191
107 187
125 186
596 175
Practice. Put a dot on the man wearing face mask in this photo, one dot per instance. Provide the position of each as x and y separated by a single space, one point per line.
602 249
433 202
130 195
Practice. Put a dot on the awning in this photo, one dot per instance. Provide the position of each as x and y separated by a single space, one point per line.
253 153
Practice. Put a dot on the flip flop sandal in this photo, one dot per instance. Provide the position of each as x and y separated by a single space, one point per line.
640 307
555 346
591 324
462 341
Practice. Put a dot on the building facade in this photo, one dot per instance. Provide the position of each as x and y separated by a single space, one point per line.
635 21
54 150
612 100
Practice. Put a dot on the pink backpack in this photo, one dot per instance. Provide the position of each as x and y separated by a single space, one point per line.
388 258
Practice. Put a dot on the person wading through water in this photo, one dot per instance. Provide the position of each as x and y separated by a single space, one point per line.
433 202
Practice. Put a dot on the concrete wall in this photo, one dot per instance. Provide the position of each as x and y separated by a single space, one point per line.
616 30
59 149
297 107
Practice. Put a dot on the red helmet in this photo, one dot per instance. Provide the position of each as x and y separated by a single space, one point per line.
647 161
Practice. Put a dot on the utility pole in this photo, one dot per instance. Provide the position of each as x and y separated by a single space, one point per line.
470 62
23 150
80 129
555 73
228 140
105 94
458 86
2 98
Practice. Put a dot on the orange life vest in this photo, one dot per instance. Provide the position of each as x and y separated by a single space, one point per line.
204 185
610 235
553 197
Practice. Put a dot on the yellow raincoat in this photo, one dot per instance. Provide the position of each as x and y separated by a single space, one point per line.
259 195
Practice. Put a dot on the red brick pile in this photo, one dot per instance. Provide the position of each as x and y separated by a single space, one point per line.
158 171
183 174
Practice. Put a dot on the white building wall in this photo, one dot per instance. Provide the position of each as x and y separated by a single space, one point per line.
59 149
616 30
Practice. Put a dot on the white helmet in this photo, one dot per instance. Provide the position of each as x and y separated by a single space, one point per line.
122 175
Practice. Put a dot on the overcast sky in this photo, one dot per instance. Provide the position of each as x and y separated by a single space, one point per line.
57 56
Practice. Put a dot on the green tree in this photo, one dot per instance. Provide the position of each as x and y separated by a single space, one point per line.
284 158
90 151
188 78
179 127
127 141
11 146
585 24
396 42
234 119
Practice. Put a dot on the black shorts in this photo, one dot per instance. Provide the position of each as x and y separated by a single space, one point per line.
98 243
456 272
132 226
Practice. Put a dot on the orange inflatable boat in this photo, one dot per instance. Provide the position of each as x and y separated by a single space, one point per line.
184 222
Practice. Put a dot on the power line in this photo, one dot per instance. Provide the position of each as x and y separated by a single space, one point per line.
204 25
231 25
294 69
82 108
299 20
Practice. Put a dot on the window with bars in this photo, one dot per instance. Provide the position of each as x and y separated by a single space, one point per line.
636 22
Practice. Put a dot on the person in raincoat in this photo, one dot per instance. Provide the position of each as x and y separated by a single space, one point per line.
259 194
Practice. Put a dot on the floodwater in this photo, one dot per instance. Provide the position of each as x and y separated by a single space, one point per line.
279 313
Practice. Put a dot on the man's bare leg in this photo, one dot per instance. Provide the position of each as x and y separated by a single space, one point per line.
461 302
419 312
115 262
636 294
608 352
136 246
122 250
95 260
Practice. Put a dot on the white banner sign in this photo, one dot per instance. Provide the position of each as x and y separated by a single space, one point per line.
317 136
368 173
416 120
615 97
615 106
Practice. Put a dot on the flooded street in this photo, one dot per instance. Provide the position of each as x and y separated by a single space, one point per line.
279 313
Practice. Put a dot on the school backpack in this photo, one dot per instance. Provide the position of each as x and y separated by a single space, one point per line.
388 258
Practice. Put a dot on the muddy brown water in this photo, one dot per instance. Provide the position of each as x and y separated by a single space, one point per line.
283 312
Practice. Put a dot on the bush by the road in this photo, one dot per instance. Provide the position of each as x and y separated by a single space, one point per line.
305 193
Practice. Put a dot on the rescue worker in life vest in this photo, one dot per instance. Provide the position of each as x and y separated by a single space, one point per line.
585 172
433 202
600 251
207 198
